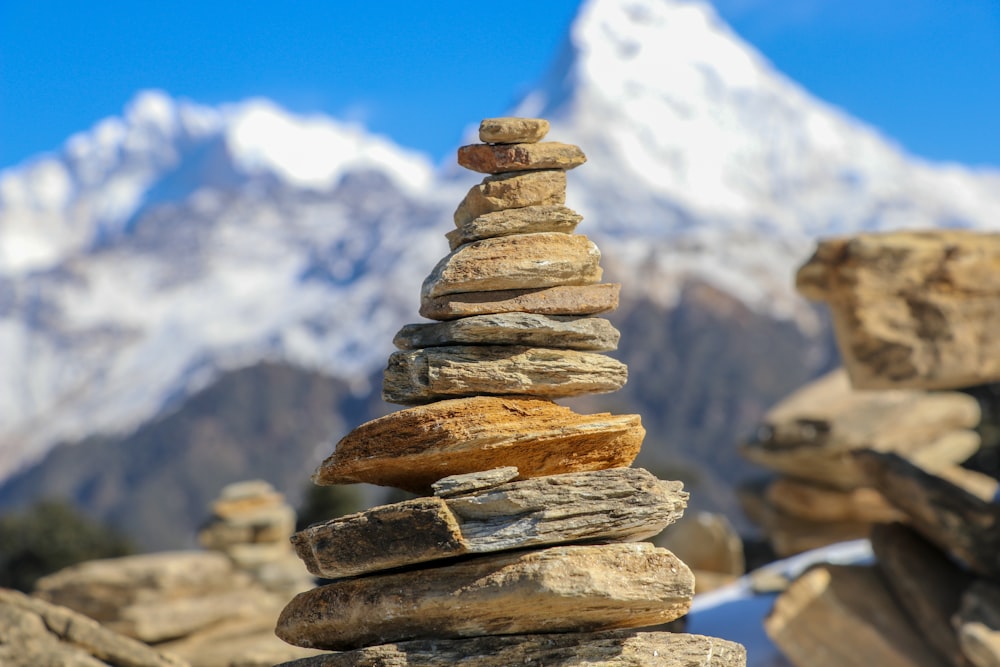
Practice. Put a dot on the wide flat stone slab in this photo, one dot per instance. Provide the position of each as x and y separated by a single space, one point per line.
496 159
527 220
435 373
510 130
413 448
512 190
592 334
621 504
624 648
523 261
563 300
912 309
559 589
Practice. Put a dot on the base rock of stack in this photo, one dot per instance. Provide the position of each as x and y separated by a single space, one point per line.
527 220
617 648
488 159
978 624
621 504
560 589
512 190
590 334
562 300
413 448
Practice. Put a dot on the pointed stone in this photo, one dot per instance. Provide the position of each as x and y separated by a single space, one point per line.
810 501
411 449
513 190
435 373
511 130
527 220
529 329
565 300
978 624
524 261
621 504
616 648
456 485
496 159
560 589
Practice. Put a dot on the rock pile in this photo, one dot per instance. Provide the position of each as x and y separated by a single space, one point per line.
912 310
524 546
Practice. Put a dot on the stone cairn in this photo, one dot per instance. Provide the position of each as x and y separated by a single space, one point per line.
914 313
524 546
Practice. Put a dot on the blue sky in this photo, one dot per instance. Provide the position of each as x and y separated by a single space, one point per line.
926 72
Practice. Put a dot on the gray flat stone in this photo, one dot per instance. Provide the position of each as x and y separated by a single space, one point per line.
530 329
563 300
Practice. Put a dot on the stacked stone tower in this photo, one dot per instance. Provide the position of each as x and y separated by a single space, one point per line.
524 545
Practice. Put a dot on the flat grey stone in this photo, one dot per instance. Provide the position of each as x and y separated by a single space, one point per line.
530 329
454 485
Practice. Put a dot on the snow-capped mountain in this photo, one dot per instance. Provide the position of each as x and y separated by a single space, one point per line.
157 248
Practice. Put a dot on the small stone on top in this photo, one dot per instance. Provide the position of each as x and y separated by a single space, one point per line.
512 130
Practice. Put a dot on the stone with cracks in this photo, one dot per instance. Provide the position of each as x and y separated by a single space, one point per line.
620 504
496 159
530 329
559 589
527 220
413 448
513 190
456 485
978 624
435 373
563 300
512 130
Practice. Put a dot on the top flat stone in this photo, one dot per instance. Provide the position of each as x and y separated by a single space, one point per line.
511 130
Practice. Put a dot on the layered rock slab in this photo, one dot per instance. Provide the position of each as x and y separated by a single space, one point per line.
512 130
591 334
622 504
411 449
512 190
527 220
559 589
562 300
495 159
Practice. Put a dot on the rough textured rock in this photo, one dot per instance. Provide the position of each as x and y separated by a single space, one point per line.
617 648
957 521
411 449
819 503
526 220
978 624
927 585
835 616
35 633
510 130
470 482
592 334
912 309
496 159
436 373
620 504
709 545
564 300
560 589
522 261
513 190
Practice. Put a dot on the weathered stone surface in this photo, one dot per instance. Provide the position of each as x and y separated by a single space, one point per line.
34 633
926 584
510 130
835 616
496 159
564 300
456 485
436 373
592 334
411 449
620 504
242 642
946 514
706 542
813 502
978 624
523 261
560 589
526 220
617 648
912 309
513 190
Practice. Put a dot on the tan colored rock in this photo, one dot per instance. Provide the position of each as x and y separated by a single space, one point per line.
510 130
564 300
706 542
560 589
617 648
978 624
252 525
523 261
470 482
526 220
593 334
246 497
436 373
813 502
912 309
513 190
836 616
496 159
411 449
240 642
620 504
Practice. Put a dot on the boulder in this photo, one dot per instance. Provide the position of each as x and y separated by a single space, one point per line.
509 130
495 159
592 334
512 190
562 300
526 220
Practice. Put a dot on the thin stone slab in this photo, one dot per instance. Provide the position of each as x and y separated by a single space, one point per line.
978 624
559 589
456 485
840 615
591 334
435 373
523 261
912 309
616 648
496 159
512 190
511 130
411 449
527 220
620 504
563 300
813 502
